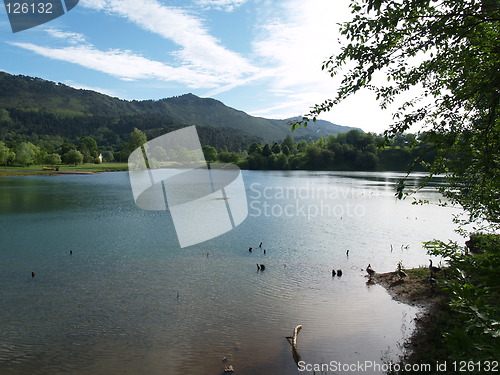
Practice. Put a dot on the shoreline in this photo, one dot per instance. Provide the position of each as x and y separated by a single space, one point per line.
416 290
413 290
48 173
85 169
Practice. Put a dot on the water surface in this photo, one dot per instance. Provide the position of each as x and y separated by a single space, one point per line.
129 300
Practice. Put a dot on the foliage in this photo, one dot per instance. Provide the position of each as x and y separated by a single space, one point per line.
88 147
353 150
446 56
73 157
53 159
276 149
266 150
210 153
255 148
7 156
228 157
289 142
26 153
137 139
108 156
472 282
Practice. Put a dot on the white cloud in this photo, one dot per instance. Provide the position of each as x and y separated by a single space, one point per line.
73 38
200 62
124 64
299 40
227 5
294 40
94 4
199 50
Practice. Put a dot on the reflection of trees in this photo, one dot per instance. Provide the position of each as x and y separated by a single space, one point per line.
33 198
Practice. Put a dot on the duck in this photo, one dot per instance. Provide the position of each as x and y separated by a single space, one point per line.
339 272
334 273
261 267
250 249
370 271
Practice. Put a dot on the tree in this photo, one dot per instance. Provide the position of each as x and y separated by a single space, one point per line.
137 139
53 159
282 162
285 150
88 147
446 55
228 157
210 153
276 149
40 156
266 151
64 148
26 153
254 149
108 156
301 146
289 142
74 157
6 154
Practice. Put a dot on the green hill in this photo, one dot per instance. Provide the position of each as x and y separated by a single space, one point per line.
34 106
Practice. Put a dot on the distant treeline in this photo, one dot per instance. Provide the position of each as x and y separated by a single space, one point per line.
349 151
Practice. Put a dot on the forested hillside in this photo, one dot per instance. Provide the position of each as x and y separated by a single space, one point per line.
33 107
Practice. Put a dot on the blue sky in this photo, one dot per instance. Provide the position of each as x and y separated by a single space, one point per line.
260 56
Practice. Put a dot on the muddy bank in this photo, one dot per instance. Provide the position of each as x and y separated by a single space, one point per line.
415 289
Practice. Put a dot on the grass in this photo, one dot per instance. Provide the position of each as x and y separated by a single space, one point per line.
88 167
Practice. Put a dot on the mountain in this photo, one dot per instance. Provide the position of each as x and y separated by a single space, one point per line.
38 106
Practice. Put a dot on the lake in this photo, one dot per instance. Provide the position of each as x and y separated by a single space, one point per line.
130 300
